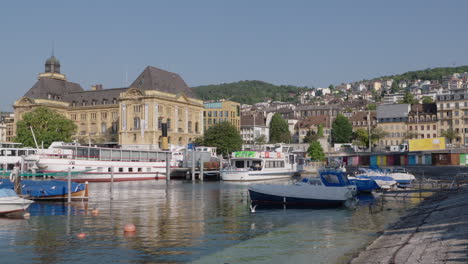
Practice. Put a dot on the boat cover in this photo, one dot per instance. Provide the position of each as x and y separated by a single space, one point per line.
43 188
7 193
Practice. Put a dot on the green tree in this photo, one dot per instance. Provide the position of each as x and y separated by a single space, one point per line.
279 130
48 126
427 100
362 136
315 151
224 136
331 87
408 98
411 135
372 106
450 134
198 141
313 135
260 140
395 87
342 130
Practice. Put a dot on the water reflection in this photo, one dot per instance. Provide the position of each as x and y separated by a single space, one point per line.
182 222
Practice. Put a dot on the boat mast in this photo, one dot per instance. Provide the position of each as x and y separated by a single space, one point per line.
34 137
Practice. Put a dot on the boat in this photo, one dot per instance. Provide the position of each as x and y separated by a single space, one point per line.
13 155
98 164
401 176
10 202
364 185
384 181
331 189
260 165
47 189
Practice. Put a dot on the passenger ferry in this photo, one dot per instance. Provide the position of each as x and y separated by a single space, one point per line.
260 165
98 164
14 154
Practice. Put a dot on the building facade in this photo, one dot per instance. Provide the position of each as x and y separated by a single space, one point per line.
129 116
452 113
393 120
422 121
220 111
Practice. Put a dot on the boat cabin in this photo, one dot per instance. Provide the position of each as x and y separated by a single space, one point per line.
254 160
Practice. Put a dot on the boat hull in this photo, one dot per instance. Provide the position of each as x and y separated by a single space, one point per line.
270 200
227 175
13 204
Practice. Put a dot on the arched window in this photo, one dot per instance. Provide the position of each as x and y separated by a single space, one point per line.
180 140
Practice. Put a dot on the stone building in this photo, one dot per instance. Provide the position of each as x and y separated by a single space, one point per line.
452 113
129 116
392 118
422 121
220 111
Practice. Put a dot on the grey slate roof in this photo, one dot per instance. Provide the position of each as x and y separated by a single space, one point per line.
45 86
96 95
393 110
156 79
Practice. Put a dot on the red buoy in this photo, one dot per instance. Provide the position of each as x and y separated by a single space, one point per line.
129 228
81 235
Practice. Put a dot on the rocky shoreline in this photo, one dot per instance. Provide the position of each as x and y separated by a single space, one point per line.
434 232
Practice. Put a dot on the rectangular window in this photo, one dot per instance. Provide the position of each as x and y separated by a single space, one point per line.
93 116
104 115
136 123
83 116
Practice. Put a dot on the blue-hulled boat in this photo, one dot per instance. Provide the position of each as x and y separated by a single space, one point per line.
331 189
51 189
364 185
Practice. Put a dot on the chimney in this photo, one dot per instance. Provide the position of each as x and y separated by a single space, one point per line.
96 87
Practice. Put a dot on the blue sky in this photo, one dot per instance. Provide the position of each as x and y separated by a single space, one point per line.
306 43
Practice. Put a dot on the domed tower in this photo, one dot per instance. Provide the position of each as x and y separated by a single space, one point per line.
52 65
52 69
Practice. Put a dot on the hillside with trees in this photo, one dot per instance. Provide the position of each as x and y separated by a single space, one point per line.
249 92
427 74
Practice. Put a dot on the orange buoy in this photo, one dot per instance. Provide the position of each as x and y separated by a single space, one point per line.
129 228
95 212
81 235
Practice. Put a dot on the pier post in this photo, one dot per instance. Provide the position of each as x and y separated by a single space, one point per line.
21 168
168 166
201 169
193 165
69 185
111 190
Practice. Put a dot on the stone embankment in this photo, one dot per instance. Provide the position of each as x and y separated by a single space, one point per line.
434 232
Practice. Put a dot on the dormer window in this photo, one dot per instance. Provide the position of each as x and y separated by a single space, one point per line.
74 104
83 103
104 101
93 102
114 101
49 96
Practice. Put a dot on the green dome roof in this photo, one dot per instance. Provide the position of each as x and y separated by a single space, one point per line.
53 60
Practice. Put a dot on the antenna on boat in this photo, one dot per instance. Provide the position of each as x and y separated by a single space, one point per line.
34 136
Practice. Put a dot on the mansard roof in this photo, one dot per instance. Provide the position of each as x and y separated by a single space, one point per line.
153 78
46 87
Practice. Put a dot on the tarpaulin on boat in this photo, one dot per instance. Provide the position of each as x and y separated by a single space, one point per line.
43 188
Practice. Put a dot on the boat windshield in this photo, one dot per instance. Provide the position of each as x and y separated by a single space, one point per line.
399 170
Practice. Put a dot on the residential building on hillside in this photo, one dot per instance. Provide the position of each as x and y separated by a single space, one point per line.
6 126
392 98
360 119
304 111
129 116
392 118
312 123
422 121
452 113
220 111
253 127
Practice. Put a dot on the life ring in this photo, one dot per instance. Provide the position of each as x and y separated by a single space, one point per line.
12 176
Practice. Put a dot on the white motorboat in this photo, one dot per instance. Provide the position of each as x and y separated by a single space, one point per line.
99 164
401 175
10 202
381 178
260 165
331 189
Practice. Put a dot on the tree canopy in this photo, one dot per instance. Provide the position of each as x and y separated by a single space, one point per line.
342 130
427 100
224 136
249 92
362 136
408 98
450 134
314 136
315 151
279 130
48 126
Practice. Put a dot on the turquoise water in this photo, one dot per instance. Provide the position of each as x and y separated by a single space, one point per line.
184 222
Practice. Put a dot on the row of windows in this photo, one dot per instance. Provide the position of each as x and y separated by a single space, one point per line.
219 113
93 102
93 116
274 164
428 127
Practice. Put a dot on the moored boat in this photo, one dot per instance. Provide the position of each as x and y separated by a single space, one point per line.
10 202
331 189
100 164
260 165
364 185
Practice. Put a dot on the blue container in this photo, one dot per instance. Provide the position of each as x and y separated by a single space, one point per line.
412 159
428 159
373 161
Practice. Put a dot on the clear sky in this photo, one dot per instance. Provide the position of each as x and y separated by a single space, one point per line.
306 43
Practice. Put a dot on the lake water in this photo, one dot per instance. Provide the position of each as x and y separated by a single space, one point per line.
185 222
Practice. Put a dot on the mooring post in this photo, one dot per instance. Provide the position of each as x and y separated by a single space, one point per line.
202 176
193 165
69 185
111 190
168 166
